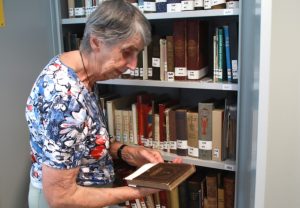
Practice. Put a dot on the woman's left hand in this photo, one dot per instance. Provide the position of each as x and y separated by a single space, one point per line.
138 155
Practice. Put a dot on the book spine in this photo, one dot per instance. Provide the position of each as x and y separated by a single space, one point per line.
217 124
227 53
205 130
181 132
170 59
179 34
192 132
220 53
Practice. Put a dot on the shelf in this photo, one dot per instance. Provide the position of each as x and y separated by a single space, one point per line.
225 165
175 84
171 15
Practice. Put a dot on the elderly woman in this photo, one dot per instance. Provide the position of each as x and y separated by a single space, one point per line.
71 149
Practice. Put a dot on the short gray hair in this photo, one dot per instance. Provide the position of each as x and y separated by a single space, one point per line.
115 21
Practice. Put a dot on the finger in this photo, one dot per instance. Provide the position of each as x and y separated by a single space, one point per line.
177 160
151 156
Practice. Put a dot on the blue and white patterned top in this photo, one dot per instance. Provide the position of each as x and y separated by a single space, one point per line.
66 129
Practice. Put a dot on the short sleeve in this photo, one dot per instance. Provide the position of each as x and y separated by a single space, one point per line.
66 130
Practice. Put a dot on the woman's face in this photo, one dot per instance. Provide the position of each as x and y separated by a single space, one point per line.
117 59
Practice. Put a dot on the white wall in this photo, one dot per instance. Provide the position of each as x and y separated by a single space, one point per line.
25 47
282 132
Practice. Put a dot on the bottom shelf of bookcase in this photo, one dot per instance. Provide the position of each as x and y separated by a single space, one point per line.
224 165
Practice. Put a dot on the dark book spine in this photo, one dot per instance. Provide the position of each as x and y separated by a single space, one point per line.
173 131
193 192
179 34
79 8
229 189
212 190
155 62
181 132
183 195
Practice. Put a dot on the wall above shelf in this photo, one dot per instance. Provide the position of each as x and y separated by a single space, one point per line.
171 15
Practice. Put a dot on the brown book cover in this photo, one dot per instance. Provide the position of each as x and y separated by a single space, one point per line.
155 59
197 50
181 131
212 191
165 176
170 58
229 189
172 131
179 34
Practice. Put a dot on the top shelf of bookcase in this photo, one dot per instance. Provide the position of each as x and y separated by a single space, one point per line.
175 84
171 15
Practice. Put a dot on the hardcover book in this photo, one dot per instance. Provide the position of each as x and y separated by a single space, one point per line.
165 176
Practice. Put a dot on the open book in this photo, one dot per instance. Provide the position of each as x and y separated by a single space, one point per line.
165 176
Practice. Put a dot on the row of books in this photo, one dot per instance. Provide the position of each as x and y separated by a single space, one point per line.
225 63
180 56
206 131
83 8
204 189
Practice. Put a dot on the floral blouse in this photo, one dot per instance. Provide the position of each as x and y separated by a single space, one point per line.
66 128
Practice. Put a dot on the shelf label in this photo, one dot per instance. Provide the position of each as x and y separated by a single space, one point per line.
173 145
229 167
192 151
227 87
170 76
205 145
174 7
182 144
228 11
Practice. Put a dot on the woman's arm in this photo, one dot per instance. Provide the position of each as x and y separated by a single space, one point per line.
61 190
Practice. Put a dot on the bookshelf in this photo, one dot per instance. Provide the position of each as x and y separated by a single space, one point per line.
179 87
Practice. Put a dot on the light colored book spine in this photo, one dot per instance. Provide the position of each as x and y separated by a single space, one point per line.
126 126
192 129
119 125
134 124
217 123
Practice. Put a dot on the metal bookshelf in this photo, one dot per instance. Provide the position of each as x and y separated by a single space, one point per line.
174 84
171 15
224 165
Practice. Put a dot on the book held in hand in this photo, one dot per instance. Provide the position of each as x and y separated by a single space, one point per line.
165 176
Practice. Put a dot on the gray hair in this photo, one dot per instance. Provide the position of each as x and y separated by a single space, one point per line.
115 21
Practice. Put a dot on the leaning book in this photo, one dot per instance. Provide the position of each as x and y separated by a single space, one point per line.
165 176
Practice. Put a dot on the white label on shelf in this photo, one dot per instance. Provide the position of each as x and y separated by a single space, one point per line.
161 145
192 151
187 5
205 145
232 5
160 1
141 8
88 10
216 153
149 6
226 86
128 71
145 141
182 144
229 167
199 3
207 4
193 74
141 72
217 2
150 72
173 145
155 62
71 12
79 11
166 145
180 71
125 138
228 11
132 72
175 7
155 145
136 72
170 76
150 142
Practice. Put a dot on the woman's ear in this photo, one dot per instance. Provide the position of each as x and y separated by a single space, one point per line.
95 43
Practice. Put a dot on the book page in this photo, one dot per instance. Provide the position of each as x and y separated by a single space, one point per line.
139 171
